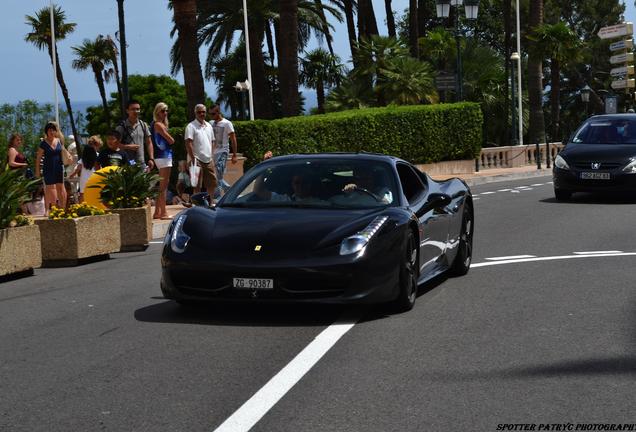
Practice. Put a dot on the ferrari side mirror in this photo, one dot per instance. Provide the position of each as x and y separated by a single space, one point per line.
201 199
436 200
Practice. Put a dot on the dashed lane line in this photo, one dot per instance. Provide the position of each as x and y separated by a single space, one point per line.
551 258
598 252
510 257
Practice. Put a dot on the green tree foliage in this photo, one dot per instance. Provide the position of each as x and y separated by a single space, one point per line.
148 90
321 70
28 119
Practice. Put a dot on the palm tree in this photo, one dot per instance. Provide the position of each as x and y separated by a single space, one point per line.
40 36
94 55
560 44
350 94
413 28
536 130
390 19
288 57
321 70
113 56
408 82
185 18
374 56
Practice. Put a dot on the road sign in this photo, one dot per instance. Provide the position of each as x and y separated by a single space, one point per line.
622 58
623 84
622 71
616 31
445 81
624 44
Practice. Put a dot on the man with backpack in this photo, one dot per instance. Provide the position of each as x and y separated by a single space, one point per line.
136 139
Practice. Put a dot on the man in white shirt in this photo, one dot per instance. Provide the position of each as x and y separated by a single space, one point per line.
199 141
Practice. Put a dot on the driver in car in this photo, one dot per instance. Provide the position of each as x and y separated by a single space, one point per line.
365 183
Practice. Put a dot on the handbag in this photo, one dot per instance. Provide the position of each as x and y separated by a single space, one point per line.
67 157
195 172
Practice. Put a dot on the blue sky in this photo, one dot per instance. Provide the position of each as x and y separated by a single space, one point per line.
26 72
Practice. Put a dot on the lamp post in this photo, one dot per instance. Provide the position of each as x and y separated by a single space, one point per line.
585 97
242 88
515 58
249 61
471 8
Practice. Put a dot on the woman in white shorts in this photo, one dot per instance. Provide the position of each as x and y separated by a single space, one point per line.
162 142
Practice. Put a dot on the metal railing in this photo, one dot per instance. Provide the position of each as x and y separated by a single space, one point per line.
515 156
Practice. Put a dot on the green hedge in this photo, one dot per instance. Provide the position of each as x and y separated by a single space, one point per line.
420 134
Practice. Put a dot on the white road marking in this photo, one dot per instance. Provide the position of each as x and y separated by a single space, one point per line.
598 252
511 257
550 182
476 198
525 189
514 191
548 258
521 187
156 242
487 193
537 184
504 190
263 400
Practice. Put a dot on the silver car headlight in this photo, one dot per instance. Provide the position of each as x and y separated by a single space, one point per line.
359 241
559 162
179 240
630 168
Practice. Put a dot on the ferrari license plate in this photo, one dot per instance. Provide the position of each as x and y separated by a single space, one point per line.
595 176
251 283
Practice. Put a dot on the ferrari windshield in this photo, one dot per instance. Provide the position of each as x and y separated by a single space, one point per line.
316 183
607 131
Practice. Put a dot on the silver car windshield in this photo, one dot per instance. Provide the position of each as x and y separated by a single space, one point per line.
611 131
316 183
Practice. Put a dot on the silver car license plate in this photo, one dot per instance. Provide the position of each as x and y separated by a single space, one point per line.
253 283
595 176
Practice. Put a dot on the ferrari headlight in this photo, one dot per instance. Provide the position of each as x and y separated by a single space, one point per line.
179 239
359 240
559 162
630 167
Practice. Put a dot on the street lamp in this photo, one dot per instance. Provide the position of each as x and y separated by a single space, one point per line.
242 88
249 61
515 59
585 97
471 8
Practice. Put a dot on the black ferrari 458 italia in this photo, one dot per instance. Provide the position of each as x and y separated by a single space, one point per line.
335 228
600 157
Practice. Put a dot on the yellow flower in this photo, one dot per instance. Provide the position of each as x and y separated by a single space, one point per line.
74 215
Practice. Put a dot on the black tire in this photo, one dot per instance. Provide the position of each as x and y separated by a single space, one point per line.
562 195
464 256
408 277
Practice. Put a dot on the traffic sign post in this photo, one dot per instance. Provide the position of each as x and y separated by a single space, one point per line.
623 58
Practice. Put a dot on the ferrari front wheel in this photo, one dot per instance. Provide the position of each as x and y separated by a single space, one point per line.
408 277
464 256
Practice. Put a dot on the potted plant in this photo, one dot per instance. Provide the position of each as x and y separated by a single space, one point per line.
82 233
127 192
19 238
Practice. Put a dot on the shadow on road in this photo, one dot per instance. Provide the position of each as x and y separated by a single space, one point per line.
595 198
237 314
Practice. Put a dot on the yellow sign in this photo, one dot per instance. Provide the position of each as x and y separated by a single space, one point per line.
257 248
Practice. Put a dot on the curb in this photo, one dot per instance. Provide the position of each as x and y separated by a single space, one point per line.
506 177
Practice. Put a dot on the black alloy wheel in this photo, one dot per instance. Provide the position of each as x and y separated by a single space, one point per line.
408 277
464 256
562 195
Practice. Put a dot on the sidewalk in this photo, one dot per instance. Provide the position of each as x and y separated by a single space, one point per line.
160 227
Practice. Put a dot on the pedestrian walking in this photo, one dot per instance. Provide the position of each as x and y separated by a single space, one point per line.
162 142
199 140
135 137
53 168
223 134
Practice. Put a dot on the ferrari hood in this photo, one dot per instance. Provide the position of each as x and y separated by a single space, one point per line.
275 233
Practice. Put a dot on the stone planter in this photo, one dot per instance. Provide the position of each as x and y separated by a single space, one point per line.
136 228
69 242
20 250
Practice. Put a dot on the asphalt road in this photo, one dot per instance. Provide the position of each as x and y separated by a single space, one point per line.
538 332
